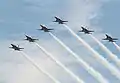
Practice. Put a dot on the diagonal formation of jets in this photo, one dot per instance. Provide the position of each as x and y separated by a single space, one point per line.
60 21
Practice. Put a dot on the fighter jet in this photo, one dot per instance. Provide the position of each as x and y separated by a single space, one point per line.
86 31
59 20
16 47
30 39
45 29
110 39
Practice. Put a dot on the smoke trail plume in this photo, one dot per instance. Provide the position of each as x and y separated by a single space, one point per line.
60 64
38 67
101 59
90 70
112 56
118 47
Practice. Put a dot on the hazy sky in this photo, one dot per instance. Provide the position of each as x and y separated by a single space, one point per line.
20 17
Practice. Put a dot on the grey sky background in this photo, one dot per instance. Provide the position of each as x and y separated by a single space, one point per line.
19 17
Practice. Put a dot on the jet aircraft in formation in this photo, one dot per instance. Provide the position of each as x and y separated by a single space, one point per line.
30 39
59 20
110 39
16 47
86 31
45 29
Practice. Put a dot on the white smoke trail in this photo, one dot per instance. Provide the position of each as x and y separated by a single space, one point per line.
101 59
112 56
38 67
118 47
90 70
60 64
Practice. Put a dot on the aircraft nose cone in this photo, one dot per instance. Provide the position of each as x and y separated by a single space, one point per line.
26 35
41 25
11 44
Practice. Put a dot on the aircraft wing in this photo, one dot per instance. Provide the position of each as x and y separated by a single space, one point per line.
114 38
21 48
64 21
50 29
91 31
35 39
